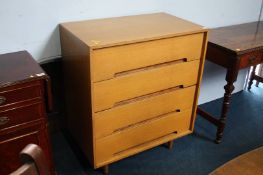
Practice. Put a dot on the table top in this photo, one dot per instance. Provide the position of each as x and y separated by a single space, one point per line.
248 163
17 67
240 38
100 33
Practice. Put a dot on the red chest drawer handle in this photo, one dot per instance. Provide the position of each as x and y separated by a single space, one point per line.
4 120
2 100
252 60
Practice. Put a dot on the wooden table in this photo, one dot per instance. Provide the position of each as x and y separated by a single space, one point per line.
233 47
247 164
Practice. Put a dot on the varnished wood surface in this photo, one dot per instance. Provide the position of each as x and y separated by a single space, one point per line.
199 79
77 70
124 89
108 32
23 120
240 38
125 58
33 160
17 67
24 92
117 143
22 113
142 83
233 47
250 163
108 121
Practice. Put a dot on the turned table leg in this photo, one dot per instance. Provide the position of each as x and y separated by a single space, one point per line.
253 73
231 77
257 83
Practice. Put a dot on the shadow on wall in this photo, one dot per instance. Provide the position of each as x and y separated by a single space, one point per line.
51 47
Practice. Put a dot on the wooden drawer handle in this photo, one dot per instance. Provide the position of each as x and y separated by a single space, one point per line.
4 120
252 60
2 100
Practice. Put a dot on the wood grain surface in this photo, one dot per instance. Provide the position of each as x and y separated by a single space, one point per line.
132 82
100 33
238 38
250 163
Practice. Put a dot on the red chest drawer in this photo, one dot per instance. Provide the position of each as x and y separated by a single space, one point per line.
21 114
15 139
21 92
251 59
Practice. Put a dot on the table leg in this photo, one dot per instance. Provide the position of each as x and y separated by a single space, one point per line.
253 73
231 77
257 83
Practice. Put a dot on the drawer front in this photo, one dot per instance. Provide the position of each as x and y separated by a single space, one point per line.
115 119
107 94
21 114
177 122
108 62
20 93
251 59
10 160
12 143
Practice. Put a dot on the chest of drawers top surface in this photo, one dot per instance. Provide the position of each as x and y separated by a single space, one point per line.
18 67
109 32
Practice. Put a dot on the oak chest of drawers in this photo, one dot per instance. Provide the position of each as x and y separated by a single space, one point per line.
131 82
24 97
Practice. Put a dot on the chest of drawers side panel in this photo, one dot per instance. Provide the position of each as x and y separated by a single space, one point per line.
76 67
200 75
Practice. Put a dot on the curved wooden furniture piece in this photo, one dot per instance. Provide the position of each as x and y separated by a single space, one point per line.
250 163
34 161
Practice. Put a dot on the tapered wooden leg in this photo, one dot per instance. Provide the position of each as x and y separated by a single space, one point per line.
229 87
170 144
105 169
253 73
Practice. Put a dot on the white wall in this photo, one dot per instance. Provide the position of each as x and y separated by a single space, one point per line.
33 25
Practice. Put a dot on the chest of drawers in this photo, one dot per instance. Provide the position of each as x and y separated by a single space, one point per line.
24 97
131 82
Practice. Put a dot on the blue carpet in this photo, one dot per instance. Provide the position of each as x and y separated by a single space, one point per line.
194 154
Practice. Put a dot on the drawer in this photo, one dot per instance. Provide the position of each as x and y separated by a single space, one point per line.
107 94
13 141
176 122
251 59
108 62
21 114
20 92
117 118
